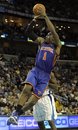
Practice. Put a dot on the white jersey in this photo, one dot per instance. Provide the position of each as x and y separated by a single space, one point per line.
45 109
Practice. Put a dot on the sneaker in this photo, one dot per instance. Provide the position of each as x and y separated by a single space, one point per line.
14 113
12 120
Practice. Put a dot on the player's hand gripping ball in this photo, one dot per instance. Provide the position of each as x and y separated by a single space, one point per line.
38 9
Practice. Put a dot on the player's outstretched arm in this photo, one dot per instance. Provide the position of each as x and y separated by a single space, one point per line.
30 33
29 30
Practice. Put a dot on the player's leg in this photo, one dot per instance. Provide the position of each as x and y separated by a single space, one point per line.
49 125
30 103
52 124
41 125
20 110
30 82
25 94
38 89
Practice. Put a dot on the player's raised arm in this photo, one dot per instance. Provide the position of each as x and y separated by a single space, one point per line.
29 30
30 33
51 28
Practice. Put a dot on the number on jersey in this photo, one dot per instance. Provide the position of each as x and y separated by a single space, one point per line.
45 56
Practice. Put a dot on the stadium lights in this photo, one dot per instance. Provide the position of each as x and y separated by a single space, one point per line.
62 42
4 35
68 26
11 20
71 45
6 20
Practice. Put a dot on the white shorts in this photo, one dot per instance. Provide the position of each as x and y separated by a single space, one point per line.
45 109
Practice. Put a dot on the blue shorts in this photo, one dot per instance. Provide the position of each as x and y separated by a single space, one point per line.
39 80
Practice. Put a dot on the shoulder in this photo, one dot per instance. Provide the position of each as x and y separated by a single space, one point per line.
39 40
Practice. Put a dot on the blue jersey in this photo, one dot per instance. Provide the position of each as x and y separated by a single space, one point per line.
45 57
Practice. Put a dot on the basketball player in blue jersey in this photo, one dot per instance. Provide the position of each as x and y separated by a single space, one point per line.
38 78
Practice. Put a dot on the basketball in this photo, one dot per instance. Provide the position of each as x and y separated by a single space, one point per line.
38 7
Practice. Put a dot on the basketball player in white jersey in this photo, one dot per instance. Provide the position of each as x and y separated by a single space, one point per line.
44 110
